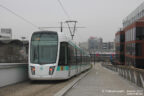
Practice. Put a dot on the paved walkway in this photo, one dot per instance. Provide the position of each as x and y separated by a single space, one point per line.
103 82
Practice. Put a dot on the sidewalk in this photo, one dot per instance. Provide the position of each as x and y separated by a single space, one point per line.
103 82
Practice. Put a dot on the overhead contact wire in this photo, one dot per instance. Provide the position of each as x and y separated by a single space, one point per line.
64 10
9 10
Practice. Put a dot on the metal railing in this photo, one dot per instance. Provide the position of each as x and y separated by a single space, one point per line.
132 74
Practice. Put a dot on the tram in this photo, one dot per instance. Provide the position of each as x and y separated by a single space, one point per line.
52 56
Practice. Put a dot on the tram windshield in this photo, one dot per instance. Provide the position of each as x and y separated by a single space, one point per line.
44 46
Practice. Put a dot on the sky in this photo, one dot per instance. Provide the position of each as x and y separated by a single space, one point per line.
101 18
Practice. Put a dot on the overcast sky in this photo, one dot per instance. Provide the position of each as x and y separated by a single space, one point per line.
102 18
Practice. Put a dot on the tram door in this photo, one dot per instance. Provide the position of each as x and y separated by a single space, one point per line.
64 56
69 59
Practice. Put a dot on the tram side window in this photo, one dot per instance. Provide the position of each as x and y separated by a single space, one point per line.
71 53
63 53
75 56
78 57
82 59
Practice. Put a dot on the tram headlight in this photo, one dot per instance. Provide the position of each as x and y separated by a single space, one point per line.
33 70
51 70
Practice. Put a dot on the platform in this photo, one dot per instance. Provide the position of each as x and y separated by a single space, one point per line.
104 82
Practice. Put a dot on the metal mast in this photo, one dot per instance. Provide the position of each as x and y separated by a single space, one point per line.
72 29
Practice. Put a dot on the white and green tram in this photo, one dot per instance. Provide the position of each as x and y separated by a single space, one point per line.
52 56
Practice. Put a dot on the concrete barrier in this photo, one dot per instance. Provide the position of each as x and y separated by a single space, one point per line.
132 74
11 73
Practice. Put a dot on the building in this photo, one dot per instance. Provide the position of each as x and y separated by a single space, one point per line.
120 47
134 44
108 46
131 52
84 45
95 43
134 37
5 33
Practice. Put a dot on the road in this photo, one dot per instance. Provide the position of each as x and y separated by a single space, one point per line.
104 82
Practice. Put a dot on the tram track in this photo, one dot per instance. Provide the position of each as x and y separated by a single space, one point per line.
38 88
32 89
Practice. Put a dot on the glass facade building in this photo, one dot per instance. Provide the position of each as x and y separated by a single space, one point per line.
130 45
130 40
120 47
134 44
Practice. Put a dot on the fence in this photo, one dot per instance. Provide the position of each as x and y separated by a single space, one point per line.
132 74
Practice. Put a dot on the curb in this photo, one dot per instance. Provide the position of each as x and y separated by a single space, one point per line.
69 86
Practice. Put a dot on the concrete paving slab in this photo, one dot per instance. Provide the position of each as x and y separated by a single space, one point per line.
70 85
104 82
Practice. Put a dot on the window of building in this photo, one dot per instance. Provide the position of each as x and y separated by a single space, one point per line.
138 49
140 33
